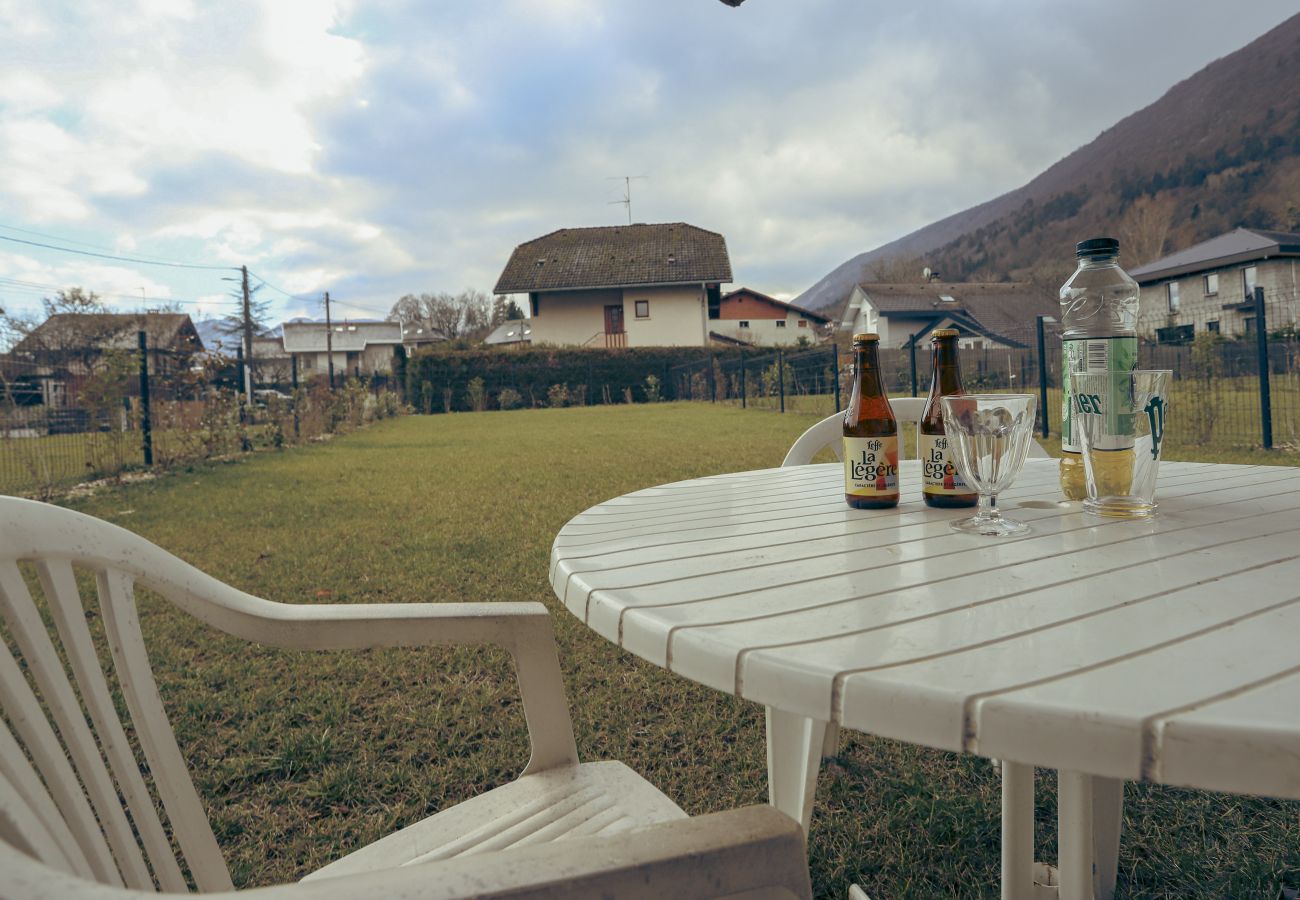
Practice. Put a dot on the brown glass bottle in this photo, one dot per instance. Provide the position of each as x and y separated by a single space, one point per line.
870 433
941 483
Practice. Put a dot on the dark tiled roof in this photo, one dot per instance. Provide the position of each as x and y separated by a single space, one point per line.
616 256
1238 246
1002 311
807 313
113 331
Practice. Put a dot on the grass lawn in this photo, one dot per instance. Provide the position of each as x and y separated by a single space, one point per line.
300 757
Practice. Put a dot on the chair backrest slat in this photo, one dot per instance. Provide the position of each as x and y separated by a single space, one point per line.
157 741
60 587
34 812
29 720
30 634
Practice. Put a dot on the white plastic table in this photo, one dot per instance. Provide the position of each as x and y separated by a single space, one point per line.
1163 651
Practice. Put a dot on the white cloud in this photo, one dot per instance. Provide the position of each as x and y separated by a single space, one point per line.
374 149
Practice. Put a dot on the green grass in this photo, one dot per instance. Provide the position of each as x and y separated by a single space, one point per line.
301 757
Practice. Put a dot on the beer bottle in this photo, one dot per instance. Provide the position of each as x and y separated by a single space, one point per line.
870 433
941 483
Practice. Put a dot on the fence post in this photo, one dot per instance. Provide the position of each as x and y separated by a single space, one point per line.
146 422
780 375
835 368
743 393
713 385
293 373
1042 374
1261 345
911 347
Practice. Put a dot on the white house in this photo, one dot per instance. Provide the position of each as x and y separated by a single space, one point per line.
987 314
358 348
755 318
1210 285
620 286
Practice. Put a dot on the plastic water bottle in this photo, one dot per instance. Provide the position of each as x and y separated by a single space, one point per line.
1099 307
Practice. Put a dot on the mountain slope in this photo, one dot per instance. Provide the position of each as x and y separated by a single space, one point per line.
1218 150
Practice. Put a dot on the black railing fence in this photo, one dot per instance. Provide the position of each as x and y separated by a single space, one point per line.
67 417
1238 391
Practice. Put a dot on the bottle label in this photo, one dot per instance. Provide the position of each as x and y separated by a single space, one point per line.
938 474
871 465
1096 356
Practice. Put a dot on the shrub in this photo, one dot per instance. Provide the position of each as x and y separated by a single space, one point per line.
509 398
477 394
652 389
557 395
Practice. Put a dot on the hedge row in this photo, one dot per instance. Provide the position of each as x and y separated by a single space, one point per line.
444 381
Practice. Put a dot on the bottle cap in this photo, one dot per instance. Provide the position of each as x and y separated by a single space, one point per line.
865 337
1103 246
943 333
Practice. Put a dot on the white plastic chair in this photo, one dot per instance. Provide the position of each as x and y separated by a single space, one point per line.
78 818
796 745
826 433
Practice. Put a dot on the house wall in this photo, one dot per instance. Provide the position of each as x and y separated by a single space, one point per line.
572 317
743 306
1278 278
677 317
781 332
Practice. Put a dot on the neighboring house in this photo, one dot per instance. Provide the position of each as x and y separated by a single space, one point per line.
510 333
620 286
66 349
1210 285
755 318
987 315
358 348
272 364
416 336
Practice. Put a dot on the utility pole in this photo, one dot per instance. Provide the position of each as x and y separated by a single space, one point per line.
248 340
329 339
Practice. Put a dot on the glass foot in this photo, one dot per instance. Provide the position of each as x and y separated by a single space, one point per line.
990 526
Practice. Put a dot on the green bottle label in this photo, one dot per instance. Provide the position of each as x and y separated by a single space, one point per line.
1095 356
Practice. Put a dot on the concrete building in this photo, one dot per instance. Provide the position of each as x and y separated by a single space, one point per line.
755 318
359 348
620 286
987 315
1210 285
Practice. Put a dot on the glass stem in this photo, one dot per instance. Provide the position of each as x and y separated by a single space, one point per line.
988 508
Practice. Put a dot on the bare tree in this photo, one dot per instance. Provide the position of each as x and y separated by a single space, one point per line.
1145 227
895 270
449 316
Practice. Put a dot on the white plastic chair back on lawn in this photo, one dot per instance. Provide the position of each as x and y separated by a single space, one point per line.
79 819
826 434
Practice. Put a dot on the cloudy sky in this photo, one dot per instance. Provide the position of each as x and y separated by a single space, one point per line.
376 149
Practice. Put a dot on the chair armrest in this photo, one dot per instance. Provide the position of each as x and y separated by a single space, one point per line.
757 852
522 629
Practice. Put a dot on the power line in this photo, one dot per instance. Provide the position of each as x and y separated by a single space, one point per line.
279 289
130 259
67 240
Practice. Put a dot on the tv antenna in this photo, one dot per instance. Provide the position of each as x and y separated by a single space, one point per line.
627 192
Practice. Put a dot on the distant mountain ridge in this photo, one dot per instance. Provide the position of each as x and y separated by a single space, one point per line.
1220 149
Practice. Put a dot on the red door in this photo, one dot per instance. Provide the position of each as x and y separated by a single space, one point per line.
614 334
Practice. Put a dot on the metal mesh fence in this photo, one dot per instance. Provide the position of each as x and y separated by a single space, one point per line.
67 417
1216 399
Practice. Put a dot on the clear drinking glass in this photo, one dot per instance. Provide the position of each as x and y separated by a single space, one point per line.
990 434
1121 418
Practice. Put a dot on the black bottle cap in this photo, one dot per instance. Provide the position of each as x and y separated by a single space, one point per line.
1097 247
